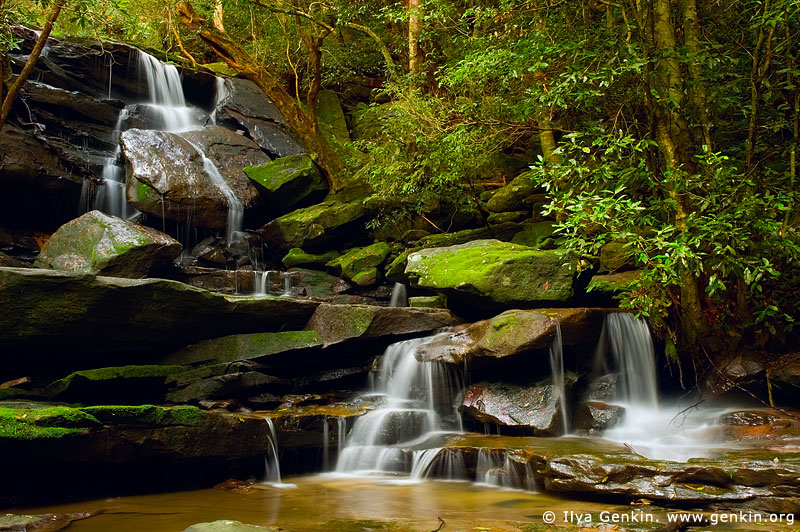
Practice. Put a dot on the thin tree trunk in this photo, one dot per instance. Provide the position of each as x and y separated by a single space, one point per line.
762 55
414 30
218 16
16 87
305 127
697 88
548 142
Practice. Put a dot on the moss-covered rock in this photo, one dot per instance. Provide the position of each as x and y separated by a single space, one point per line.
360 264
606 289
437 301
296 257
327 224
289 182
495 272
123 384
337 323
245 347
510 197
331 116
107 245
507 217
534 234
314 283
64 319
615 256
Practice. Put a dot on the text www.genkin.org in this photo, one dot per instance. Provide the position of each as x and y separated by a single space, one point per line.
688 518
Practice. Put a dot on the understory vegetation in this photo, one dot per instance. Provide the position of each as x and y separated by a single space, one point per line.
668 126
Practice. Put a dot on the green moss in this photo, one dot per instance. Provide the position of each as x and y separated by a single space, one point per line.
111 374
145 192
34 423
367 277
437 301
148 415
246 346
360 260
297 257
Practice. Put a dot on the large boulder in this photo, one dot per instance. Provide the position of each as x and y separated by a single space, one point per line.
338 323
327 224
114 385
495 273
532 410
239 347
514 333
289 182
67 318
242 103
360 264
107 245
168 177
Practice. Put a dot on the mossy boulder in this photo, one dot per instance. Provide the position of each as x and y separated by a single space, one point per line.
360 264
605 289
107 245
510 197
68 320
507 217
496 273
314 283
296 257
123 385
338 323
238 347
331 116
615 256
326 225
289 182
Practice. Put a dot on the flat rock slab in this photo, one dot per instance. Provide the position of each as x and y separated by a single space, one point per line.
227 526
69 315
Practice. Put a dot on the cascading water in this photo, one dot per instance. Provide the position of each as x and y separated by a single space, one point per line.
272 466
166 98
415 405
399 296
648 428
111 194
261 282
497 468
557 370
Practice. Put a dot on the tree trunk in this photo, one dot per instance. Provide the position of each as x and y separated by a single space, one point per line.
674 142
548 141
218 16
303 124
697 88
414 30
762 55
16 87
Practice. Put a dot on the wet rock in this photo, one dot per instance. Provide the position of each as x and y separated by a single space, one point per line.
77 316
514 333
523 409
339 323
734 369
245 105
39 522
510 197
360 265
107 245
300 428
602 388
491 272
326 225
765 424
216 279
8 261
114 385
234 382
212 250
594 416
168 178
289 182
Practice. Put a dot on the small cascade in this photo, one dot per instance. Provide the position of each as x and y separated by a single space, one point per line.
272 466
447 464
111 197
287 284
235 222
415 404
399 296
221 94
166 94
557 370
496 468
261 282
634 359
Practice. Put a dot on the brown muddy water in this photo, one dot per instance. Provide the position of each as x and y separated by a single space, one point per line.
324 503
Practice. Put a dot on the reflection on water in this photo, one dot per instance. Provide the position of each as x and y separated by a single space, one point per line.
318 500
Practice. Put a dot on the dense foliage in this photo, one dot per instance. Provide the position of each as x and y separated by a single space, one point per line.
666 126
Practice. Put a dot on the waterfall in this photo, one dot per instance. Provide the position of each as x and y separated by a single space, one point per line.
287 284
496 468
438 463
634 359
399 296
110 197
557 370
272 466
415 403
166 94
221 94
261 282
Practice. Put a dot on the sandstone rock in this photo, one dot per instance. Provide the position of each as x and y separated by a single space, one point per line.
103 244
437 301
360 264
297 257
115 385
510 197
594 416
495 273
615 256
227 526
239 347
